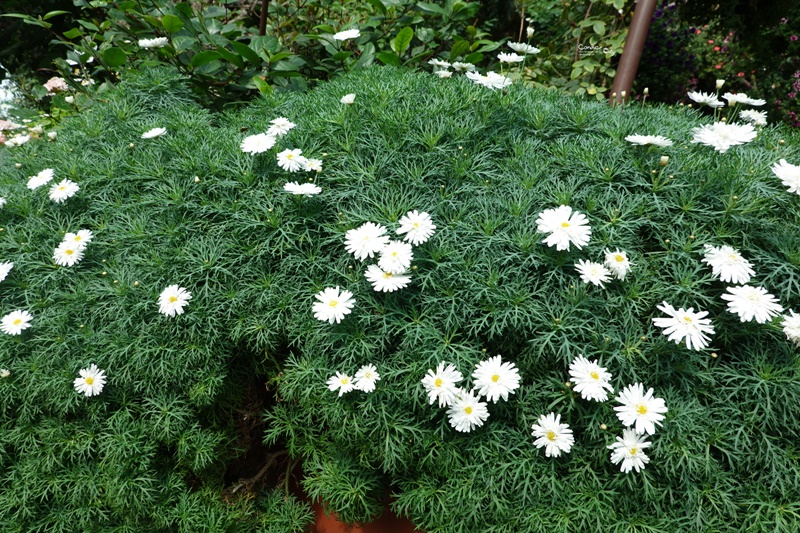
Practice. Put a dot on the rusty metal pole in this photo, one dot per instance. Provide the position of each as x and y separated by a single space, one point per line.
632 51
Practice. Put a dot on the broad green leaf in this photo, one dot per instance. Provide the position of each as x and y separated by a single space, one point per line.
378 4
367 56
183 42
388 58
113 57
599 28
474 58
431 8
27 19
88 25
54 14
73 33
171 23
246 52
459 48
185 9
277 57
292 63
265 42
341 56
154 22
402 40
204 57
232 58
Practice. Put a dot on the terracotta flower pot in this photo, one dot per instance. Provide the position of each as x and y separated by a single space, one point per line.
387 523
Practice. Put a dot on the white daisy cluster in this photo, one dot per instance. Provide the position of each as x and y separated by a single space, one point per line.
492 379
441 67
58 192
644 140
72 248
364 380
564 227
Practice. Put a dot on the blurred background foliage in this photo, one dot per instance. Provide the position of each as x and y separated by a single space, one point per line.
752 44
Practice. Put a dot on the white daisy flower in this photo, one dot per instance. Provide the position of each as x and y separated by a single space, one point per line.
5 268
564 227
173 299
348 99
722 136
307 189
383 281
396 257
467 412
791 327
155 132
742 98
4 373
438 63
366 377
523 48
90 382
756 118
495 379
510 58
752 303
789 175
593 273
617 262
2 202
728 264
551 434
492 80
16 321
291 160
280 127
640 409
706 99
366 240
442 384
19 140
417 226
45 176
310 165
158 42
347 34
333 305
644 140
460 66
61 191
80 239
590 379
685 324
68 254
341 382
444 74
257 144
629 450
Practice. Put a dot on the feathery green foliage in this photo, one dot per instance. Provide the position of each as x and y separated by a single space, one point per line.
149 453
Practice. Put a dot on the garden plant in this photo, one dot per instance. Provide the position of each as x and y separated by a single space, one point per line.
495 308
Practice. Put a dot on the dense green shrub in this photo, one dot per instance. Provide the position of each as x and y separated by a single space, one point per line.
149 453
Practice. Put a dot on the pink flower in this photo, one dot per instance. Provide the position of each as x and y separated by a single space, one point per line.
741 74
56 84
793 38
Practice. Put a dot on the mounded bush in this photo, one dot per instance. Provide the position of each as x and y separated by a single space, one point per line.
149 453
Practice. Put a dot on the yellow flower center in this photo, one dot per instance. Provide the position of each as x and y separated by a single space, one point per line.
594 375
687 319
333 303
438 382
495 378
468 410
68 252
565 224
173 299
368 375
551 435
394 254
619 259
634 451
416 225
89 380
17 322
387 275
642 409
290 156
344 381
62 188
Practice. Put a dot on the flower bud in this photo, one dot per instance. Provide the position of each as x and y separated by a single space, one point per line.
622 94
530 32
664 160
646 91
720 83
52 135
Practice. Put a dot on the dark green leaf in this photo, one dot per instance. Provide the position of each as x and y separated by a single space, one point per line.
474 57
431 8
183 42
280 55
171 23
459 48
378 4
113 57
246 52
341 56
265 42
185 9
88 25
204 57
389 58
233 58
73 33
367 56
